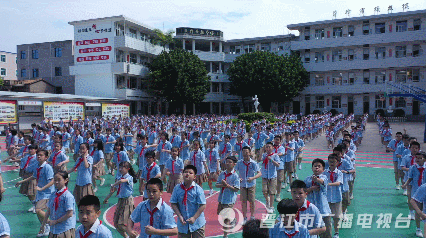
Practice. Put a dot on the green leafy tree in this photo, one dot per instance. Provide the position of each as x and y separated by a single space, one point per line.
1 81
179 77
273 78
164 38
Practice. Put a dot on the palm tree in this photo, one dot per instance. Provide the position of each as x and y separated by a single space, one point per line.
164 39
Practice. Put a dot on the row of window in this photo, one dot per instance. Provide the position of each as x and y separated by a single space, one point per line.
2 72
2 58
131 58
250 48
133 33
336 102
36 72
35 53
379 28
380 53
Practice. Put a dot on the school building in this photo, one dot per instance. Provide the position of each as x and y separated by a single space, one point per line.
8 65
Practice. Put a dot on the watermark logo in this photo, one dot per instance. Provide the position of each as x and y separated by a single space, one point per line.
231 219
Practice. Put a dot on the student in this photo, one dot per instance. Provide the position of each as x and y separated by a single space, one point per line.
407 162
128 142
60 209
401 151
418 202
260 138
152 136
175 139
98 168
66 138
271 162
198 159
4 224
28 165
163 153
253 228
288 227
184 148
83 166
119 156
150 170
330 137
299 147
248 171
141 148
250 141
229 183
58 159
188 203
387 135
280 152
154 215
89 210
225 150
238 147
173 169
289 158
334 191
212 155
109 142
78 140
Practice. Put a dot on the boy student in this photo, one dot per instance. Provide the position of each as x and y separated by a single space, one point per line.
317 193
259 140
289 146
416 176
109 142
225 150
249 171
238 147
401 151
334 190
154 215
289 226
188 202
271 162
299 147
418 201
252 229
280 151
229 182
89 210
150 170
407 162
346 167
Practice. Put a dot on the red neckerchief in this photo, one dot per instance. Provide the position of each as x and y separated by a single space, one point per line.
331 176
313 183
173 138
226 176
151 216
75 140
240 145
79 162
249 141
38 173
56 202
173 166
181 144
287 146
276 148
88 141
142 150
118 157
162 147
210 155
247 167
224 149
119 187
107 139
421 169
89 232
412 160
185 197
25 149
92 153
292 234
54 157
211 138
149 171
396 143
266 160
194 159
302 209
28 161
258 135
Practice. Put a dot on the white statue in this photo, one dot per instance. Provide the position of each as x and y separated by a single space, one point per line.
256 102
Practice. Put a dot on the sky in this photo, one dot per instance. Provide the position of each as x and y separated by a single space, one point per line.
32 21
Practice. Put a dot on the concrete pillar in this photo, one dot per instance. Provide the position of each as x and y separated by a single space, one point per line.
193 45
193 109
211 64
220 67
220 87
211 108
184 109
220 107
220 46
183 43
211 87
211 46
149 108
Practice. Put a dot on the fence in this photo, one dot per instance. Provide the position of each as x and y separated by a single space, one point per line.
396 119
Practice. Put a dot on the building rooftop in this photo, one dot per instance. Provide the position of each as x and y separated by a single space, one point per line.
113 18
50 42
1 51
351 19
264 38
53 96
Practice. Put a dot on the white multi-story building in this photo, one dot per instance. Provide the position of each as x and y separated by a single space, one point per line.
351 60
8 65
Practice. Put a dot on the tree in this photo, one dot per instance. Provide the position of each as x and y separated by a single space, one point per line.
1 81
164 39
272 77
179 77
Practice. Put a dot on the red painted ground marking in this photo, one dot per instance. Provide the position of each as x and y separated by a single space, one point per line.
8 168
367 152
213 227
360 165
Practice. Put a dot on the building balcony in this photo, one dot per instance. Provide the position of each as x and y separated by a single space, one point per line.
210 56
132 69
131 44
374 63
219 77
221 97
384 38
131 94
229 58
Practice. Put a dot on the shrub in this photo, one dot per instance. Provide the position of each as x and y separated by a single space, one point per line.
253 116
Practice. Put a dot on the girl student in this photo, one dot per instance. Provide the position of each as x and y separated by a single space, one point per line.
120 155
89 140
4 225
198 159
66 138
58 159
60 209
163 153
77 141
27 166
83 166
212 155
141 149
173 169
184 148
124 187
98 168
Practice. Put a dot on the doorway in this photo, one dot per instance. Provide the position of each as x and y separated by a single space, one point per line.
366 107
350 107
416 107
308 108
296 107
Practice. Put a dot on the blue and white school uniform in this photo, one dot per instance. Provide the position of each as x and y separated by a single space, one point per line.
334 193
289 156
141 151
125 203
224 150
108 148
149 172
197 158
298 144
227 195
280 150
184 146
83 181
78 140
212 155
247 170
175 140
151 137
175 167
161 217
119 158
250 142
269 170
58 157
238 148
417 173
4 226
260 138
407 162
99 170
279 231
164 156
65 140
393 144
66 202
43 174
128 141
319 198
98 230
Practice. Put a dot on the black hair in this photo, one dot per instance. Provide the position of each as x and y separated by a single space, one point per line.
233 158
338 148
64 175
405 136
318 161
150 153
165 135
90 133
99 143
298 184
86 145
399 133
131 170
44 152
227 137
14 132
155 181
192 167
33 147
287 206
423 154
196 133
89 200
246 148
277 136
333 156
415 143
252 229
119 143
108 129
269 143
59 136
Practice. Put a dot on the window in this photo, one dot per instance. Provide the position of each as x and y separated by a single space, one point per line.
58 52
319 34
143 60
351 30
215 88
23 55
380 101
337 79
366 54
336 101
380 52
366 77
319 80
307 33
307 56
249 48
352 78
337 55
401 26
121 82
414 74
133 58
35 54
401 76
3 72
416 50
380 77
366 28
265 47
3 58
351 55
21 108
119 56
142 36
238 49
58 71
417 24
23 73
35 73
132 33
319 57
380 28
401 51
400 102
337 32
319 102
119 30
133 82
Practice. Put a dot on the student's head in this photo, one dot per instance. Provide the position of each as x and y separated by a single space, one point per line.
227 138
196 145
98 144
414 147
318 166
411 139
118 146
196 134
175 152
287 208
268 147
150 156
212 144
420 158
347 136
333 159
398 136
277 139
230 162
125 167
154 189
338 150
164 136
298 192
108 131
252 229
184 135
89 209
42 156
60 180
406 139
189 173
58 146
32 149
84 148
246 152
240 137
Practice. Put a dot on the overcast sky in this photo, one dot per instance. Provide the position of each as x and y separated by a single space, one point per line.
32 21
